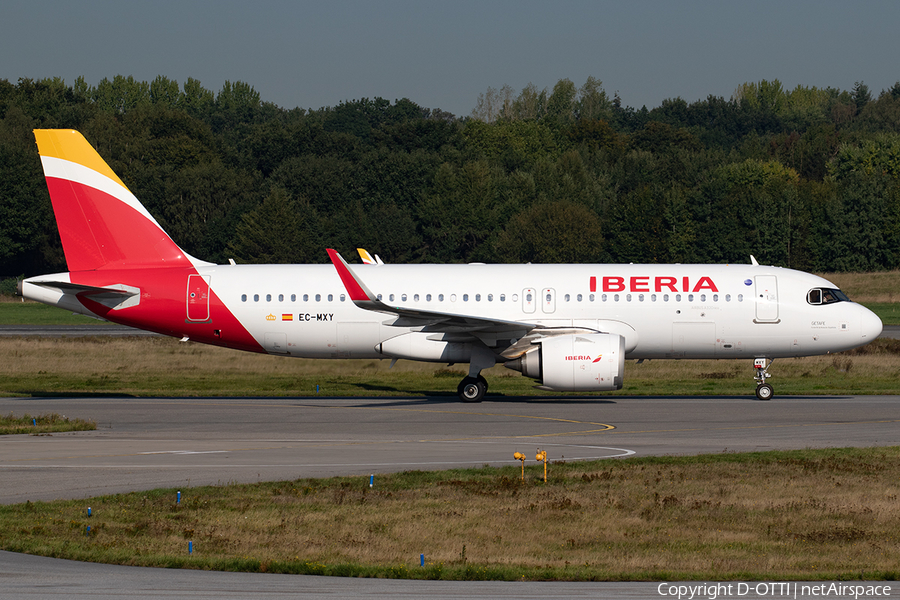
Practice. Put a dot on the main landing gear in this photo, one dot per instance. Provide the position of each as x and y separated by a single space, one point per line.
764 391
474 387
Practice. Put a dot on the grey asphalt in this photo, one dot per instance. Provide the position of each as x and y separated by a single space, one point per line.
87 330
145 443
75 580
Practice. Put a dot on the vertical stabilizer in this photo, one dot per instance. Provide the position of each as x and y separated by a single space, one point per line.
101 224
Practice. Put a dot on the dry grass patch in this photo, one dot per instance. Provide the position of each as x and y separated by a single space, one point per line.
167 367
822 514
883 286
46 423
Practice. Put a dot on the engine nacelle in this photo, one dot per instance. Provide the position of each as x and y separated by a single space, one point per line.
575 363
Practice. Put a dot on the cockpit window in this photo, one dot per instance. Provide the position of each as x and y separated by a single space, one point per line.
826 296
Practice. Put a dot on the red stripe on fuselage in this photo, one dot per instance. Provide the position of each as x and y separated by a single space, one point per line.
162 306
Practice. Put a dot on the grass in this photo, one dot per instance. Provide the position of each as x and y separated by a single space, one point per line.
47 423
43 367
881 287
888 312
15 312
809 515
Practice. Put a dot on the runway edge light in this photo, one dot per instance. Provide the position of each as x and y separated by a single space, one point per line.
542 457
521 457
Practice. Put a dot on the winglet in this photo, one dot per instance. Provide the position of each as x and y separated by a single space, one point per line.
356 289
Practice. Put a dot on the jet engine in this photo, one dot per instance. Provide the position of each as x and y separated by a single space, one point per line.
575 363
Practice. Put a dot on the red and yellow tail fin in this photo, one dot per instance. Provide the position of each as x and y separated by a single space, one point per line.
101 224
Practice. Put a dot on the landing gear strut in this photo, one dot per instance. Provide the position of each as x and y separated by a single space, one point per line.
764 391
474 387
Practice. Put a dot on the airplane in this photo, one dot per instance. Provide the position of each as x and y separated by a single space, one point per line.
569 327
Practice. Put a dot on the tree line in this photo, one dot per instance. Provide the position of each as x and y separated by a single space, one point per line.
806 178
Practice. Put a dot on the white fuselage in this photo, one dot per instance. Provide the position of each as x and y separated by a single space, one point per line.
662 311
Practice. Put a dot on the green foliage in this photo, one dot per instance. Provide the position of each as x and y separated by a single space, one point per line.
806 178
280 230
555 232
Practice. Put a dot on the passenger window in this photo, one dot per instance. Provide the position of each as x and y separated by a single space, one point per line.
677 297
628 297
391 297
591 297
665 297
243 297
690 297
616 297
428 297
403 298
740 297
440 297
702 297
477 297
465 297
281 297
515 297
490 297
415 297
727 297
256 297
293 297
318 297
578 297
603 297
343 297
331 297
452 297
715 297
306 297
640 297
652 297
268 297
568 297
378 296
502 297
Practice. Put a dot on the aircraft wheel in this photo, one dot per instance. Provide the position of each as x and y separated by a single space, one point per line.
483 381
471 389
764 391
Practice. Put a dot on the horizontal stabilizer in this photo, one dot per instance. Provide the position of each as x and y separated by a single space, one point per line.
116 297
96 293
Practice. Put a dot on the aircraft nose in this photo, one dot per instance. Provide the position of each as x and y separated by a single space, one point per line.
870 325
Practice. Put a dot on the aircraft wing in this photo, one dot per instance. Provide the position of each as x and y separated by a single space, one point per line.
433 321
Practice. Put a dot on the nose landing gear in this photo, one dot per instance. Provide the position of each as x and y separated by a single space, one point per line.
764 391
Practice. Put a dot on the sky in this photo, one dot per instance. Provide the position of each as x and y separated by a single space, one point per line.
444 54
